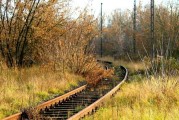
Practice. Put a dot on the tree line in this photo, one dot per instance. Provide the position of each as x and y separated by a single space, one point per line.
118 33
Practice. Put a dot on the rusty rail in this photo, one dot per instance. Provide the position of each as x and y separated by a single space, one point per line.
99 102
48 103
83 112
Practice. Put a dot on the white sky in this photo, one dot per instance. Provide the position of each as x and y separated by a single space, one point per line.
110 5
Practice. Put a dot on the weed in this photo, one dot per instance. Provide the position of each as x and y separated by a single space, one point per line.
27 87
142 100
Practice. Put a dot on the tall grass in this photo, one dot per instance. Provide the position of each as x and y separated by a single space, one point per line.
154 99
132 66
27 87
145 98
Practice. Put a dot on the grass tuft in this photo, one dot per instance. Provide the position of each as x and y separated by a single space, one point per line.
142 100
20 89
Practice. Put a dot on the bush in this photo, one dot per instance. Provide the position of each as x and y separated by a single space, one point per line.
162 66
96 74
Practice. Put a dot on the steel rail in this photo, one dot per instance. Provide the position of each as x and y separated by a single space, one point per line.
99 102
64 97
17 116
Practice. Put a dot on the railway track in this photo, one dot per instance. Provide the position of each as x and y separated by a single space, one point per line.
77 103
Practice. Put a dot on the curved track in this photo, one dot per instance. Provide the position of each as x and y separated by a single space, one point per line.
77 103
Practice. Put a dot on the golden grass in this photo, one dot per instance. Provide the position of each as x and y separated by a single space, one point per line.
132 66
143 100
29 86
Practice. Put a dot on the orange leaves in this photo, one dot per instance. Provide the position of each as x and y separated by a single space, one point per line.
44 32
97 74
75 49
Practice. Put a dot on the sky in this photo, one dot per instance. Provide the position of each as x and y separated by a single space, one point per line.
110 5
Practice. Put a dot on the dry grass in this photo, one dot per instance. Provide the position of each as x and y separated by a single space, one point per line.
29 86
132 66
95 75
143 100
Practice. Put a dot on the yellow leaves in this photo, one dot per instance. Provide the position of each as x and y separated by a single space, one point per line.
53 1
72 50
51 35
20 4
97 74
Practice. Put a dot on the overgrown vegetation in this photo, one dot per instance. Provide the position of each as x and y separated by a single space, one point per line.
44 51
41 32
142 100
20 89
118 33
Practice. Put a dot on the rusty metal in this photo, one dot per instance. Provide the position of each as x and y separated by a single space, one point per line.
60 98
14 117
99 102
89 99
48 103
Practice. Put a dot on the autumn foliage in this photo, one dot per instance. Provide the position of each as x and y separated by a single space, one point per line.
38 32
118 33
97 74
24 27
